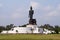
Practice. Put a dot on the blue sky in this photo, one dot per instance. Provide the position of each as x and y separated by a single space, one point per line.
16 11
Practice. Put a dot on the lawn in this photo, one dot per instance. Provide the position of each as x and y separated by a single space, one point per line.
29 37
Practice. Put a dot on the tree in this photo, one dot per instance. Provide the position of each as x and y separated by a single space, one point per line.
11 25
48 26
2 28
57 29
8 27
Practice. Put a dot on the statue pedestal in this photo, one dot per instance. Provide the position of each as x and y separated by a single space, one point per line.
32 21
32 26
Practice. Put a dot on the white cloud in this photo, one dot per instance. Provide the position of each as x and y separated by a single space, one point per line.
34 4
58 7
47 8
3 17
18 13
1 5
50 12
53 13
15 15
50 15
37 5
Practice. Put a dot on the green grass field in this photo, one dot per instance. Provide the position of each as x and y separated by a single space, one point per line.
29 37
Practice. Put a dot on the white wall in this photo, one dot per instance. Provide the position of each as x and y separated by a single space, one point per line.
25 30
4 32
20 30
38 30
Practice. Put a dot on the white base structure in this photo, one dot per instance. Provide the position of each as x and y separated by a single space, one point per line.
35 29
27 29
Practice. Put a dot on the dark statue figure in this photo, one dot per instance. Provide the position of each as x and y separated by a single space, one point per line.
31 20
31 12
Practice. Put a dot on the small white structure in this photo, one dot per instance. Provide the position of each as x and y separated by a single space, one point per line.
4 32
46 31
